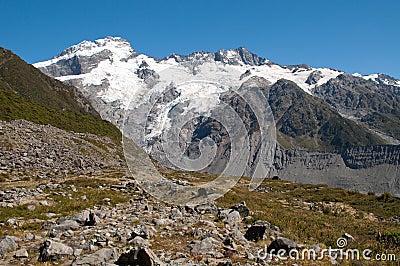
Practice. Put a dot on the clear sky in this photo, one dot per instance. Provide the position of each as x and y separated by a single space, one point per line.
350 35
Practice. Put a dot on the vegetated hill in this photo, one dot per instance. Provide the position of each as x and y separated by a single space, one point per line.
27 93
307 122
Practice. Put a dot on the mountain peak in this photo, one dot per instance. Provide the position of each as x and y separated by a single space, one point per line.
87 48
239 56
113 48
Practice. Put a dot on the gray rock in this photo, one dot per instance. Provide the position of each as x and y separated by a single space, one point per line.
29 236
232 217
51 250
22 253
63 226
207 245
143 231
237 235
7 244
31 207
175 213
142 256
139 242
257 231
242 209
282 243
207 208
100 257
314 77
81 217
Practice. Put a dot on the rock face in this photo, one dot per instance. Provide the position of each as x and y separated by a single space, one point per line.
374 103
314 77
368 157
365 169
237 56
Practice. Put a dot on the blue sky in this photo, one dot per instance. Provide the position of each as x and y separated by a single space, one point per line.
351 35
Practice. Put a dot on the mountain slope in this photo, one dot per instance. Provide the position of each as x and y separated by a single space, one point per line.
113 76
312 113
26 93
308 122
371 102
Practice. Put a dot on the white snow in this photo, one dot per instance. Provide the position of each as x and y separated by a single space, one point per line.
117 46
376 78
124 85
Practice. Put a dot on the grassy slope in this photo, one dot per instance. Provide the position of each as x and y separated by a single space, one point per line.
26 93
333 211
15 107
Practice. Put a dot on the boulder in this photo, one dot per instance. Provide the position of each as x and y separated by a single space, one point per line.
7 244
139 242
229 216
176 213
51 250
207 245
22 253
100 257
233 217
255 232
144 231
206 208
282 243
141 256
242 209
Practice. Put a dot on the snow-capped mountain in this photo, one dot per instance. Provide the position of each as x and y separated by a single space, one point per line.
317 109
113 76
112 59
110 72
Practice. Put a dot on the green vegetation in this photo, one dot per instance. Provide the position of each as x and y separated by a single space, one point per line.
319 214
312 214
31 84
26 93
391 237
14 107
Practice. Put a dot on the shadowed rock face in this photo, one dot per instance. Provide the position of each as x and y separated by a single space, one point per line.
371 168
237 56
373 104
76 65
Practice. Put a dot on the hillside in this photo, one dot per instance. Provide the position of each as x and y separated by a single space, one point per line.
26 93
310 123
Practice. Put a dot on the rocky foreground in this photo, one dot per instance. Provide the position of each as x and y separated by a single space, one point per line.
141 231
64 200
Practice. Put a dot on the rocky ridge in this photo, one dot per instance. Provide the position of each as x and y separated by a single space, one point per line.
29 150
